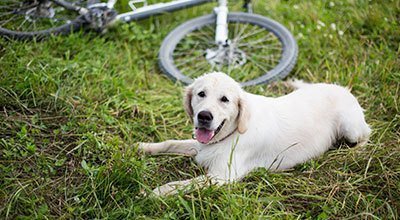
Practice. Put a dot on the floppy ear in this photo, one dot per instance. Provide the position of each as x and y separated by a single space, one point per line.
244 115
187 102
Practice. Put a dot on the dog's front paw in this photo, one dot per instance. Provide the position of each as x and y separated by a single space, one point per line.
165 190
173 188
144 147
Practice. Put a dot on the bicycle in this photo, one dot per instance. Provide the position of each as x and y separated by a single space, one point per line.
250 48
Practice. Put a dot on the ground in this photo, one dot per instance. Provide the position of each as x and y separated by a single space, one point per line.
72 109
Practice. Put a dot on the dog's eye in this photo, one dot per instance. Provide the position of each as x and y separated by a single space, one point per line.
224 99
201 94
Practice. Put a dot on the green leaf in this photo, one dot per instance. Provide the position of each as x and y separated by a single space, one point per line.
85 166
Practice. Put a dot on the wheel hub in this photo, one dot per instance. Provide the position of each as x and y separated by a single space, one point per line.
228 55
42 10
99 17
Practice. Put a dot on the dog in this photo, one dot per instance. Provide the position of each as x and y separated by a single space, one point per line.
237 132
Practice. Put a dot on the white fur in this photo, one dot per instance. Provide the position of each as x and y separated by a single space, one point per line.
275 133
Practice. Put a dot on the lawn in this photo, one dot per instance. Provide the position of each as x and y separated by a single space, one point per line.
72 109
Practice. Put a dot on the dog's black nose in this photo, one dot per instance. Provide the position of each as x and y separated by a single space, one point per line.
204 117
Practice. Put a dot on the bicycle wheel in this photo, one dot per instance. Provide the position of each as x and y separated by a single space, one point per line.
260 50
25 20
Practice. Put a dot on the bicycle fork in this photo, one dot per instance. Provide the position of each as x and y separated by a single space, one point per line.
221 31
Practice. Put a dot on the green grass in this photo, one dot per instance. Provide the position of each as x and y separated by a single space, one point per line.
72 109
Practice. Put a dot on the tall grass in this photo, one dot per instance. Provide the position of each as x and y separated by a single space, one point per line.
73 108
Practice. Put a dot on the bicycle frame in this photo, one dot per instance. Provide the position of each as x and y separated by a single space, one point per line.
221 32
154 9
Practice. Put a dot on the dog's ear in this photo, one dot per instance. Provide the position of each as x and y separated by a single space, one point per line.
244 115
187 101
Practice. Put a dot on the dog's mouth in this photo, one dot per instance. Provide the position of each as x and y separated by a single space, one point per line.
204 135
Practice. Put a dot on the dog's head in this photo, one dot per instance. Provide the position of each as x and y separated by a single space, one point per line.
217 105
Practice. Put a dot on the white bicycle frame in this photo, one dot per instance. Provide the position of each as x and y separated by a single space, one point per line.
221 32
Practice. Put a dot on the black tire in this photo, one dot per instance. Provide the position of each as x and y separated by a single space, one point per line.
27 20
288 54
39 35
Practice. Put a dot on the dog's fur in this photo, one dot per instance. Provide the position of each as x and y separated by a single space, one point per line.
258 131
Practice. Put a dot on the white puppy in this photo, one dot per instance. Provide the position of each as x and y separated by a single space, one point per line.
237 132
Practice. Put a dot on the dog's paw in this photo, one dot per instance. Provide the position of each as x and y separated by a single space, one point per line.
173 188
144 147
165 190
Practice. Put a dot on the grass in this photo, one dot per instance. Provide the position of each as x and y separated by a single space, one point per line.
72 109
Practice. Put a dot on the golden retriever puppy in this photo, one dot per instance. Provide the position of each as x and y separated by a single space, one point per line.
236 132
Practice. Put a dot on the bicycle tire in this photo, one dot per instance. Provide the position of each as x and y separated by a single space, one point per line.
39 35
286 63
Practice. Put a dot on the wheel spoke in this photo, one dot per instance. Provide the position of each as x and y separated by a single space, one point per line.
236 29
186 53
22 24
196 43
205 40
6 14
240 33
262 40
8 20
251 33
187 61
267 46
258 65
267 58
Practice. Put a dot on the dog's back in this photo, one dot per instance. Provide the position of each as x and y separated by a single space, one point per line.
303 124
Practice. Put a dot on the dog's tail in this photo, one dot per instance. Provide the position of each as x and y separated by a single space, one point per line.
297 84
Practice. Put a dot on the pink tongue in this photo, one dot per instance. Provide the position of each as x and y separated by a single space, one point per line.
204 135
